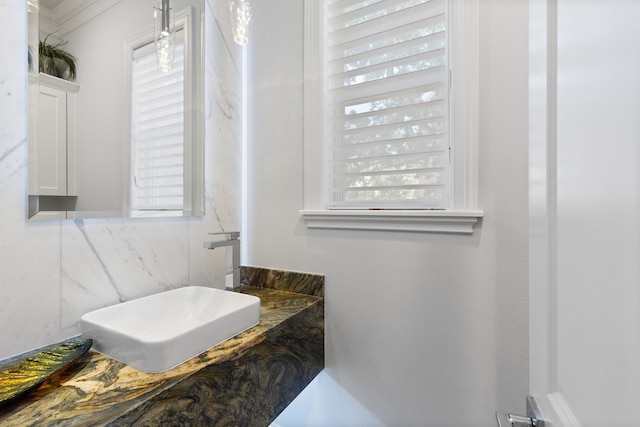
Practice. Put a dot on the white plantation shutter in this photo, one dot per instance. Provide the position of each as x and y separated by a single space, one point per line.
157 130
389 94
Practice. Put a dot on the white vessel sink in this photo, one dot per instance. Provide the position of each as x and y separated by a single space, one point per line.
160 331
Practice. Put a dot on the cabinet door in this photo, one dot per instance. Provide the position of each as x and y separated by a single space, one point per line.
52 142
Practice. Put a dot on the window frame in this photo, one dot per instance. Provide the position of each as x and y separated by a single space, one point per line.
464 115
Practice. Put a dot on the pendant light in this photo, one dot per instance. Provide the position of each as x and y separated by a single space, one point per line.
164 35
240 11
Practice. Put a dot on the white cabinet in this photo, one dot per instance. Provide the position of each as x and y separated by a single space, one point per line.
55 139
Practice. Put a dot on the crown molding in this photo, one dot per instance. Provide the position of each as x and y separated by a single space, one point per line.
71 14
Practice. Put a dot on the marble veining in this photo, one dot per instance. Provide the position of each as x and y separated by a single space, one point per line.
292 281
247 391
109 261
246 380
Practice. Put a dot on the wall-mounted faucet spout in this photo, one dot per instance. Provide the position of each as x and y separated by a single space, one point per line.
232 243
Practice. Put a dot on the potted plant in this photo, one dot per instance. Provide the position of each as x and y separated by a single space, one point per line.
56 61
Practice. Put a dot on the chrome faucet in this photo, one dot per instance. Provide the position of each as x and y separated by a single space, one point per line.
232 243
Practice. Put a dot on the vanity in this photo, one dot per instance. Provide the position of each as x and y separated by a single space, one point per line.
247 380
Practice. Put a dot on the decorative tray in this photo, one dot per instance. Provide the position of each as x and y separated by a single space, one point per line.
26 374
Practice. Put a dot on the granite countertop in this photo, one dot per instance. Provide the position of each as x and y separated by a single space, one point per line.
98 389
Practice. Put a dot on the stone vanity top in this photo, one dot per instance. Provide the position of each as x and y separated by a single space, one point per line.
98 390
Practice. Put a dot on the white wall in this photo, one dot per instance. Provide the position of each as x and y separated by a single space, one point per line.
53 271
421 329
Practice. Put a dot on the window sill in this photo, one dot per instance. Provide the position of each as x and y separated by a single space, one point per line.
429 221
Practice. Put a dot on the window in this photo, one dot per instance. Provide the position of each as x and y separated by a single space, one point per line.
164 123
397 82
157 130
388 75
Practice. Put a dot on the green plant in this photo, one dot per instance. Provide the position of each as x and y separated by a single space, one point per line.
56 61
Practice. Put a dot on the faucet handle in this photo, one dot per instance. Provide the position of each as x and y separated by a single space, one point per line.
231 235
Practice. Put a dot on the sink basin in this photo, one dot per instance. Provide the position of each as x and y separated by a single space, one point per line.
158 332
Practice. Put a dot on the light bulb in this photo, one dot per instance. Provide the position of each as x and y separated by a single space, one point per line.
164 36
165 49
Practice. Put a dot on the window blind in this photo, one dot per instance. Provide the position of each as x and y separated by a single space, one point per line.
157 130
388 91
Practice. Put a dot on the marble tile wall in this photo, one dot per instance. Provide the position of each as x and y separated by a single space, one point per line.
53 271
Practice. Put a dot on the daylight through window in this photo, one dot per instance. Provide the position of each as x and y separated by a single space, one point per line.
157 130
387 62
